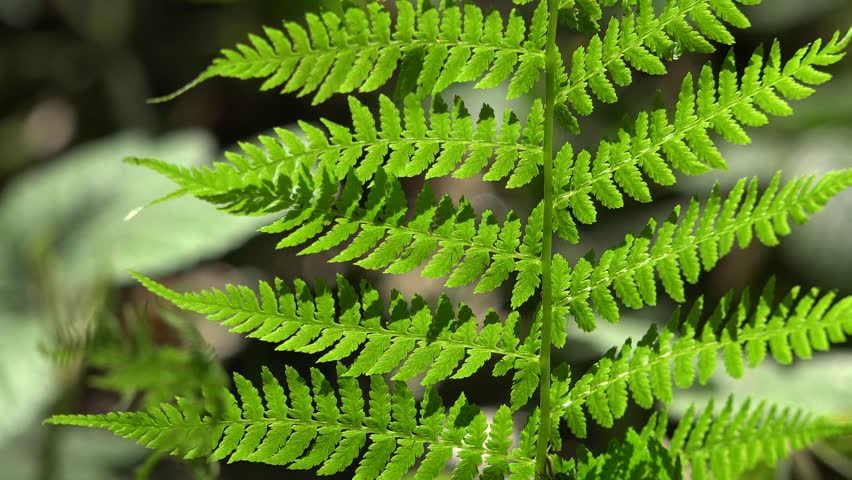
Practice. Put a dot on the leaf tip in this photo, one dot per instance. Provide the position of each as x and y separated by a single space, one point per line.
133 213
201 78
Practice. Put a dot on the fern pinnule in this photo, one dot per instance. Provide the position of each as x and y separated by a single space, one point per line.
463 251
338 189
723 444
689 347
309 426
657 145
642 39
402 144
720 444
638 455
415 338
686 244
361 51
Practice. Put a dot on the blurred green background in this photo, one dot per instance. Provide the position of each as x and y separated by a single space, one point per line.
74 77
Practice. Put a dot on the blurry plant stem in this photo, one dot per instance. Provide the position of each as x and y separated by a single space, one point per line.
60 310
805 466
52 440
144 471
833 459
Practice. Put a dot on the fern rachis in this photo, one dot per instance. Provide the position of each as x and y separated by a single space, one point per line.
338 188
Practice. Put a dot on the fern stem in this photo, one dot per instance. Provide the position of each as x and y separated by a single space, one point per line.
552 59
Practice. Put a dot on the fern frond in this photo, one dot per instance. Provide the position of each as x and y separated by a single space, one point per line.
349 325
658 145
723 444
686 244
526 448
638 455
320 427
583 15
125 357
715 444
464 251
406 143
643 40
157 372
361 51
448 141
689 348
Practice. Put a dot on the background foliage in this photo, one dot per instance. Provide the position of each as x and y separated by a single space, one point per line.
74 76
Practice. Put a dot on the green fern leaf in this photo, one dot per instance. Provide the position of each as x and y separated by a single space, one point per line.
639 455
680 243
524 383
338 188
684 142
316 430
642 39
361 51
442 342
797 323
462 249
740 438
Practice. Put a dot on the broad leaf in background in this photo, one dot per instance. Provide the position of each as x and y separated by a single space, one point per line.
18 12
792 386
63 226
81 201
27 380
82 455
773 16
815 251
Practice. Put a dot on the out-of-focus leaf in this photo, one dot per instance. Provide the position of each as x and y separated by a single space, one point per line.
822 385
19 13
767 154
787 14
589 346
821 252
831 106
27 380
77 206
83 455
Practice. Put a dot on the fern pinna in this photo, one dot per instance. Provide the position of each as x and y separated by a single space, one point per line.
337 187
